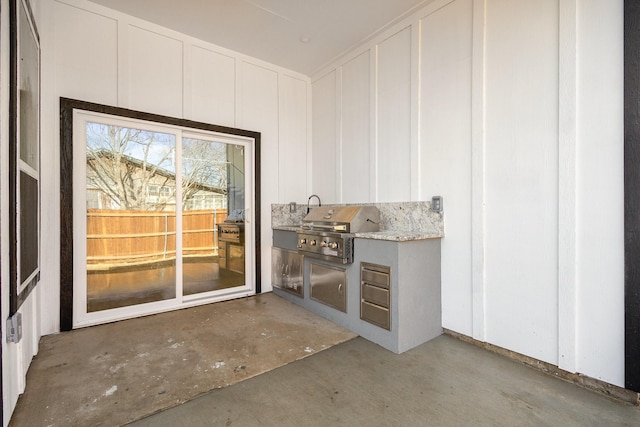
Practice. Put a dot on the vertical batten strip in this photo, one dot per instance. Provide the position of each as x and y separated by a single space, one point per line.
237 72
187 80
339 133
309 141
416 62
567 104
478 109
123 64
281 172
374 124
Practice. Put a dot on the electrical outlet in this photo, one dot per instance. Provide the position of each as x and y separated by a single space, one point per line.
14 328
436 203
292 207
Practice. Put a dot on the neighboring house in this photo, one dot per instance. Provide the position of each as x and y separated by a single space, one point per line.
148 187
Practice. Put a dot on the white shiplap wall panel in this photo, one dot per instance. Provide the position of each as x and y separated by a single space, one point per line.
445 160
324 155
393 117
521 173
356 138
213 89
259 107
86 57
294 128
155 72
600 191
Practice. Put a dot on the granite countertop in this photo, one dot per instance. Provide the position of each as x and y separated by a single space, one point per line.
286 227
399 236
391 235
399 222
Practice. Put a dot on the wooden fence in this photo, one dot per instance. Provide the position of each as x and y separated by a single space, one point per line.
126 238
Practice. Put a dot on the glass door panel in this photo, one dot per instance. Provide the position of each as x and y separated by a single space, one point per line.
212 187
131 216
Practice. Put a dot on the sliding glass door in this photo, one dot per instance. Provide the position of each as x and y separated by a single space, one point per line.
151 200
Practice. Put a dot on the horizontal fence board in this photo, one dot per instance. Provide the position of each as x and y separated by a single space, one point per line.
120 238
129 236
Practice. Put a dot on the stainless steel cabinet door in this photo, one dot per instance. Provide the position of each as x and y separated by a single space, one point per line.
287 271
329 285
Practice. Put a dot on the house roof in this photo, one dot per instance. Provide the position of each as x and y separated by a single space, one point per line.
158 171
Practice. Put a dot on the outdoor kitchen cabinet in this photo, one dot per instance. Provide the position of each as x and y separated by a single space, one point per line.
328 284
414 307
287 265
406 303
287 271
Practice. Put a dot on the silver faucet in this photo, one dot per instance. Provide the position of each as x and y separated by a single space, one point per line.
309 201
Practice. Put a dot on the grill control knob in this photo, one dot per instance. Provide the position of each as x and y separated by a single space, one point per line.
312 243
303 241
323 243
333 245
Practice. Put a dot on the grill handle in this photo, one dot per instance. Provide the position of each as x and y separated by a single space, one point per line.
341 227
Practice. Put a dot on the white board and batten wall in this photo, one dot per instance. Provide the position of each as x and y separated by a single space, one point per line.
96 54
103 56
512 111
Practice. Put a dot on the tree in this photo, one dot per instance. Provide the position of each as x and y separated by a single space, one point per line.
125 164
204 165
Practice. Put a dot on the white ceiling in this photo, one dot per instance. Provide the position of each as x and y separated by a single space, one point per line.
301 35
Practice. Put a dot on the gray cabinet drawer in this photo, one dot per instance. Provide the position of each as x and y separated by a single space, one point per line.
373 277
375 295
375 314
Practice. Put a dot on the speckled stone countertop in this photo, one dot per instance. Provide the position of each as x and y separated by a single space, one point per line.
399 222
399 236
286 227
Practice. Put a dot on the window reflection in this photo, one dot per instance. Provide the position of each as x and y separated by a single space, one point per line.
206 194
131 222
131 201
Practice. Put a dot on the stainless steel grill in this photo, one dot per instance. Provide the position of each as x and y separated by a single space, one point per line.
231 242
327 232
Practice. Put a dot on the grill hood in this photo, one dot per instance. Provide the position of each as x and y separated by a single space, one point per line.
345 219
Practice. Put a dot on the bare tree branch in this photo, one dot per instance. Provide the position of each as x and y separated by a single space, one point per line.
125 163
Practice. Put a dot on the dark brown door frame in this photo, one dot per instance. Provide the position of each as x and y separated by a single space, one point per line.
632 193
67 106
